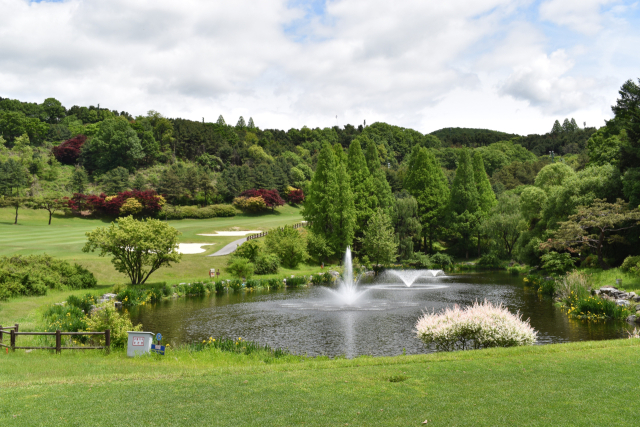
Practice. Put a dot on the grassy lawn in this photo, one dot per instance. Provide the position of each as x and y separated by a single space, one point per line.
578 384
602 278
65 237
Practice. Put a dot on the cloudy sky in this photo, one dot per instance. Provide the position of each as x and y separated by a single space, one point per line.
510 65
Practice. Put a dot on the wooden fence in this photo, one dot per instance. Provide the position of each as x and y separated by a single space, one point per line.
264 233
13 333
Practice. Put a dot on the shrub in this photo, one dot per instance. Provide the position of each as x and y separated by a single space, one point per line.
250 204
197 288
67 318
478 326
557 263
275 283
267 264
271 198
220 287
148 203
318 247
442 260
35 274
322 279
593 308
630 263
235 284
83 303
295 196
237 346
107 317
288 244
295 282
240 267
489 261
251 284
184 212
250 250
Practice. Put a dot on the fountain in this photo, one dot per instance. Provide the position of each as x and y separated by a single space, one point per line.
347 293
408 277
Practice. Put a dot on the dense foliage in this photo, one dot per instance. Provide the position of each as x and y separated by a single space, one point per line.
35 274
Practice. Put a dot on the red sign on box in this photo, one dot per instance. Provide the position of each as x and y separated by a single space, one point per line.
138 341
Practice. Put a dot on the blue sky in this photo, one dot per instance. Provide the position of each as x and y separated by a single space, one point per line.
511 65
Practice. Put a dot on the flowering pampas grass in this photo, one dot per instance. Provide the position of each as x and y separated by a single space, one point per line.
478 326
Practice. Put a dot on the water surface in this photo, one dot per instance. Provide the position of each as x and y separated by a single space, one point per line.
310 320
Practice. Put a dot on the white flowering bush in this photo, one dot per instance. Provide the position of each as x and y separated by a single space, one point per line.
478 326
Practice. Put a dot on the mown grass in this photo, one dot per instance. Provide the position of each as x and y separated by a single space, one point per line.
600 278
577 384
65 237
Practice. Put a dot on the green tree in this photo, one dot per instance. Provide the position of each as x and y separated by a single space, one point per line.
362 186
592 226
53 111
240 267
532 203
251 125
115 181
221 121
137 248
79 180
382 188
557 127
552 175
288 244
505 223
464 200
241 123
486 196
407 225
319 248
51 204
426 182
14 178
378 242
328 205
115 145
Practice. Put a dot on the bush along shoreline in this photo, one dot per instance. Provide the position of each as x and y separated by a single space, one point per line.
576 295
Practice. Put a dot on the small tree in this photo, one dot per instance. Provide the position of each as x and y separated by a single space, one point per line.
288 244
378 242
590 228
49 204
240 267
137 248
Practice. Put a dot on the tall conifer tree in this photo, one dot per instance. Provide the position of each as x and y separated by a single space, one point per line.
426 182
486 196
345 208
386 200
464 200
364 193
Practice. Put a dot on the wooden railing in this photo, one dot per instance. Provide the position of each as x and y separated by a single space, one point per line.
12 331
264 233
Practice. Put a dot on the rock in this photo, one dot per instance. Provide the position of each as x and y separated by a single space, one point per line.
608 290
636 298
632 294
62 304
597 292
631 319
622 302
334 273
117 304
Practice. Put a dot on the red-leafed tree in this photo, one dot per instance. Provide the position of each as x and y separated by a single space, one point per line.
271 197
68 152
295 196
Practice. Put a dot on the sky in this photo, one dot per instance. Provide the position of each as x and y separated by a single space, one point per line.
508 65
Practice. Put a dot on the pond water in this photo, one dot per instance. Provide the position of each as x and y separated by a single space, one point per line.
310 320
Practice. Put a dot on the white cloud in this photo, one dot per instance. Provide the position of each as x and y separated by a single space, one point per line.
584 16
399 62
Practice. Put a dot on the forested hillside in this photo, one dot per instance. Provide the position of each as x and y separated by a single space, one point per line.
459 191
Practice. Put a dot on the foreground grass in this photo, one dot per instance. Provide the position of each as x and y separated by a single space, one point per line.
65 237
574 384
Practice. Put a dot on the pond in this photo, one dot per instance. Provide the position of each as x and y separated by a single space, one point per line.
381 323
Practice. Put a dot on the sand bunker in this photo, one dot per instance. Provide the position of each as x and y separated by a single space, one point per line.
192 248
231 233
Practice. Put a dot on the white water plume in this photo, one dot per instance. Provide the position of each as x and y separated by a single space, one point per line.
408 277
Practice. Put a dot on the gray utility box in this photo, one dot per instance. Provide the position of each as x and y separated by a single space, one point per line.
139 343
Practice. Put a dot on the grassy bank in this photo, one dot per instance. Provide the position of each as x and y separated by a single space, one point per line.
569 384
65 237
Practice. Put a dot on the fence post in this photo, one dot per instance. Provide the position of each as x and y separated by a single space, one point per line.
58 342
13 340
0 333
16 327
107 340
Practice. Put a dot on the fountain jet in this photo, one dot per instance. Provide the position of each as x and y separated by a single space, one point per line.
347 292
408 277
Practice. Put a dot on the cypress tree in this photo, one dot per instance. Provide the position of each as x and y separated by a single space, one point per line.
426 182
328 205
464 200
345 207
486 196
221 120
464 192
362 187
382 188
